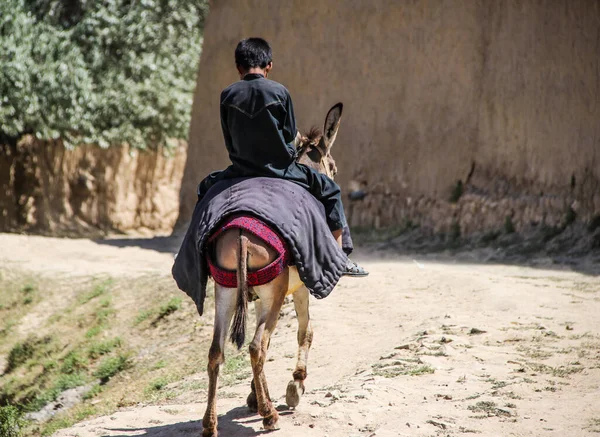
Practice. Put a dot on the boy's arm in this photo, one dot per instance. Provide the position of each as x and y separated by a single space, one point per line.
289 124
226 134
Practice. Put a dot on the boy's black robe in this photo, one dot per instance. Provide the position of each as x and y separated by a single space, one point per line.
259 127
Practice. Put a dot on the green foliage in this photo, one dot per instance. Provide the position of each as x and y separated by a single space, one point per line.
29 288
94 391
68 419
143 315
103 72
98 290
111 366
58 385
74 361
94 331
170 307
23 351
11 421
157 384
104 347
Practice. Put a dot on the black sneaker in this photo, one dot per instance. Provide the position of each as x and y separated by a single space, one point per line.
353 269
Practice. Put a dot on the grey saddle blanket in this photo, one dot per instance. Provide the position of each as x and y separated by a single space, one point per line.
288 208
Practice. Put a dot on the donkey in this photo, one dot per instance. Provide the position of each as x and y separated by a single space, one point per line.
240 251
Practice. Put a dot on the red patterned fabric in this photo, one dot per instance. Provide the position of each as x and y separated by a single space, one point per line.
258 228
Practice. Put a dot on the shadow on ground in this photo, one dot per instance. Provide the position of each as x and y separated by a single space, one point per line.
236 422
572 249
168 244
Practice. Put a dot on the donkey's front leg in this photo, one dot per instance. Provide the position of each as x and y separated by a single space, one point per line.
295 388
272 296
225 299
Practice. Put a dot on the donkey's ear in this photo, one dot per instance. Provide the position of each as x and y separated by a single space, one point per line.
332 124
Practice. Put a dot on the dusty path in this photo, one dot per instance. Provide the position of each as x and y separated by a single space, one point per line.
513 351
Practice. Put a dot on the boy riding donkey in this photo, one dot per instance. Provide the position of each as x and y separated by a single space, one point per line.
260 134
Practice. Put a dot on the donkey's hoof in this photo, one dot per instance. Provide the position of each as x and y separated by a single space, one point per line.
270 422
293 393
210 432
252 402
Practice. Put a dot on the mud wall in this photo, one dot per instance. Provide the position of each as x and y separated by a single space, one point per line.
456 112
45 188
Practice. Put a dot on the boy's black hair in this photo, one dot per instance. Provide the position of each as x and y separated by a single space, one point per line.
253 52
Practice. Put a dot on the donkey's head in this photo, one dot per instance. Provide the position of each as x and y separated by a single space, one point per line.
314 149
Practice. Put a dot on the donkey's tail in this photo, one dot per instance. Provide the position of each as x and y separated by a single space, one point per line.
238 327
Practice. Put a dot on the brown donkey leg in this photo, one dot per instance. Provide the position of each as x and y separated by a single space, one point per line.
251 400
272 296
295 388
225 299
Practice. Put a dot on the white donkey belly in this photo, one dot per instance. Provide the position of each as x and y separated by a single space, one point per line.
294 282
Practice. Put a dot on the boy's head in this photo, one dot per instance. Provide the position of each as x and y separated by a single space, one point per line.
253 55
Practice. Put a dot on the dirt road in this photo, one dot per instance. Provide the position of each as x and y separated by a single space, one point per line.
419 348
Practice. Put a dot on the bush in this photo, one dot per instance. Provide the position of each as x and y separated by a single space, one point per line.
111 366
20 353
74 362
170 307
11 421
104 72
104 347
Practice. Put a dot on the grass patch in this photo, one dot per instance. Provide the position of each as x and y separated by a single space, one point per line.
559 371
96 349
93 392
100 321
402 367
489 408
68 419
170 307
593 425
98 290
41 398
74 362
11 421
143 315
84 343
158 384
110 366
159 365
21 352
93 331
235 369
155 388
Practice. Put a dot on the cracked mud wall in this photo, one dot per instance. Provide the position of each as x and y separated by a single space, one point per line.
47 189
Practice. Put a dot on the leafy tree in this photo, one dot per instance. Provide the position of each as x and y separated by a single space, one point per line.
99 71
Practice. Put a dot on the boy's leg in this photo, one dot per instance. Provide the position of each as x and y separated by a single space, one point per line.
325 190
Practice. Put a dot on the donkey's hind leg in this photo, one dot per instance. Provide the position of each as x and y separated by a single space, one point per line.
225 299
271 296
295 388
251 400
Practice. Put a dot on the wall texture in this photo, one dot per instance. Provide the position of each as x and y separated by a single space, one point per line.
45 188
503 96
